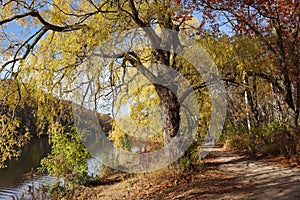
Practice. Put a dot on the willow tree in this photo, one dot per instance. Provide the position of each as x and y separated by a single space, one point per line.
45 44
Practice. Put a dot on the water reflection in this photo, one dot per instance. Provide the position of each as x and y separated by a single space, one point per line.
30 159
13 179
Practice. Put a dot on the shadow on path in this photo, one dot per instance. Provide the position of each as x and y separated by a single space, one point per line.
261 180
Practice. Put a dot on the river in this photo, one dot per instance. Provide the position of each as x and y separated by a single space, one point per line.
15 177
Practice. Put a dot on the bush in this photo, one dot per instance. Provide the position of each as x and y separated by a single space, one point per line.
67 161
238 138
271 139
239 142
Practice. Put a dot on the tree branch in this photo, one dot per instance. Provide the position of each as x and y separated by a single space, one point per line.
269 78
15 17
203 85
39 34
47 25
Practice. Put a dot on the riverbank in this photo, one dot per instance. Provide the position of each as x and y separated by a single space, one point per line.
225 175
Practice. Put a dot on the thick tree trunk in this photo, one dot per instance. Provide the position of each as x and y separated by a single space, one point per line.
170 112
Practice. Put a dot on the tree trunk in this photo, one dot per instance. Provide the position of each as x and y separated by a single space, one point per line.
170 112
246 96
293 118
294 110
297 113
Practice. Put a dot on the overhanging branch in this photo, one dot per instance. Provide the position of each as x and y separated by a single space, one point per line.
46 24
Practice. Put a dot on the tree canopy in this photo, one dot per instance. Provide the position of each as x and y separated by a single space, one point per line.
48 47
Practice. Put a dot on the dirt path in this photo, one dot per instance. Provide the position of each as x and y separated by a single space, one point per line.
260 180
225 176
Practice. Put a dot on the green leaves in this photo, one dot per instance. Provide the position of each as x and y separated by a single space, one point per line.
67 159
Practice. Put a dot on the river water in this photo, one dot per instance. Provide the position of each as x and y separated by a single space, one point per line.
16 178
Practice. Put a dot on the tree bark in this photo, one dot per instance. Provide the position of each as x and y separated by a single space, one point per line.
170 112
297 112
293 118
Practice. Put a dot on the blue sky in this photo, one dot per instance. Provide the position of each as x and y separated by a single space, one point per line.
16 33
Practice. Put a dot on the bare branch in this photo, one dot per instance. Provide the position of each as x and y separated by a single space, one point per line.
15 17
39 34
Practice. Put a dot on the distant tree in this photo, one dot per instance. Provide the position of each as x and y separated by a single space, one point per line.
275 23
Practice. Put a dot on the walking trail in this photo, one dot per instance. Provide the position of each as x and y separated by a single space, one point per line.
226 176
260 180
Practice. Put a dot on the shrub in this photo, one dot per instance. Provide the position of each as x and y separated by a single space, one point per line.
67 161
270 139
